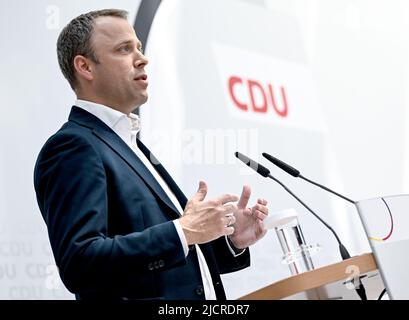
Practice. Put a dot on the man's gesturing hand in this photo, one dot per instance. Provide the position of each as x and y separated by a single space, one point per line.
204 221
249 227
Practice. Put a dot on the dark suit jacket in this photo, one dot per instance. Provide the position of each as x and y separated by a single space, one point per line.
110 223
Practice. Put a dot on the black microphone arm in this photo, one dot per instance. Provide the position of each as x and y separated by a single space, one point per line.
295 173
263 171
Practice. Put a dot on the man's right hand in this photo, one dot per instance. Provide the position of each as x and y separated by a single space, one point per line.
204 221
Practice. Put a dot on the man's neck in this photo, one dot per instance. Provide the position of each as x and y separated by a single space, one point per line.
110 104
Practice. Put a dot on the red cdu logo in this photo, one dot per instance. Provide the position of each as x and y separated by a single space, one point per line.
250 89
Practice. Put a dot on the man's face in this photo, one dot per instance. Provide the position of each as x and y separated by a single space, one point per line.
119 79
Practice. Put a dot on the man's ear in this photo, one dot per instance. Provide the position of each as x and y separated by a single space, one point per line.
83 67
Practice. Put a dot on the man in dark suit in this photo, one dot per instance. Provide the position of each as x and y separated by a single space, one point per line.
119 226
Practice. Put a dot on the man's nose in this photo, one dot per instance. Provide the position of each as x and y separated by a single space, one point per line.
141 61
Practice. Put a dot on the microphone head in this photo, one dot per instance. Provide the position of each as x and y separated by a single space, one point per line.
282 165
253 164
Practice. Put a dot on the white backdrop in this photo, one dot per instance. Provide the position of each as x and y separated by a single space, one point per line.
343 64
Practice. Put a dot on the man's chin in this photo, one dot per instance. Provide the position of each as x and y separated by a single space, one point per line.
140 101
145 98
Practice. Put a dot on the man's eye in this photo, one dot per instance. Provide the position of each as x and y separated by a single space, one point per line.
124 49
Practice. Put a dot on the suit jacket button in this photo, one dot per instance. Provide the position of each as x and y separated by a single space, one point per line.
150 266
199 290
161 263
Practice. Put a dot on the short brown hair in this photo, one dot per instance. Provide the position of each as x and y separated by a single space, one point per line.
75 39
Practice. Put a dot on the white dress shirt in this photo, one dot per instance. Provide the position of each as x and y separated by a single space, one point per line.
127 127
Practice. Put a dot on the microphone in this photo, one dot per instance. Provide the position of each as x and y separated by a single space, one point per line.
264 172
295 173
260 169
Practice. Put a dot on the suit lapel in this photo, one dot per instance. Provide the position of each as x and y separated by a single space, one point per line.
164 174
102 131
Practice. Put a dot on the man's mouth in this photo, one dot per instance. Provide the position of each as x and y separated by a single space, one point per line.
142 77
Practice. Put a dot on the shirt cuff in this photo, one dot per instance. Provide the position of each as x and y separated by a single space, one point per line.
234 251
181 236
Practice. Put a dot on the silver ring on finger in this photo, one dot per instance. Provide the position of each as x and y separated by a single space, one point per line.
230 221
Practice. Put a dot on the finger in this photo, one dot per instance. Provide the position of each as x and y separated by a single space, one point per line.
228 209
261 208
228 231
226 222
227 198
215 205
229 220
248 212
262 202
260 215
201 192
244 198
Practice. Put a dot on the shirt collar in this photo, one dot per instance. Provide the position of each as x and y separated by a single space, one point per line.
114 119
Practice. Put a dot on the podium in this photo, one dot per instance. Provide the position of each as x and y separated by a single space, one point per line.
335 281
386 224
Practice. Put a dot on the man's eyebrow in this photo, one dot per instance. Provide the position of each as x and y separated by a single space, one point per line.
139 44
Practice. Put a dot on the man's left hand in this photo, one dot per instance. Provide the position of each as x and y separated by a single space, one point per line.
249 227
